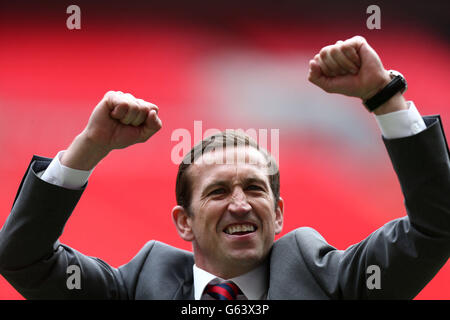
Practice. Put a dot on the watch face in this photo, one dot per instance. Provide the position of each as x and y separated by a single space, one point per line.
394 73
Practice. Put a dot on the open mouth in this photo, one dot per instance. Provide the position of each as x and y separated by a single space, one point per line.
240 229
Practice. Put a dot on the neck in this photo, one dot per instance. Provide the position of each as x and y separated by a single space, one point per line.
230 270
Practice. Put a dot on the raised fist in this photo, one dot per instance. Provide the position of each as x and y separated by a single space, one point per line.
349 67
120 120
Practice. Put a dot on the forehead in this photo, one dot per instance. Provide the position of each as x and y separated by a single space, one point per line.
228 164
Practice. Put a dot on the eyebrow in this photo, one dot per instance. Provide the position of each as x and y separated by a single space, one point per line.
225 183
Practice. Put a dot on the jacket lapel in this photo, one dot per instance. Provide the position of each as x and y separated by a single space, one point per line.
186 286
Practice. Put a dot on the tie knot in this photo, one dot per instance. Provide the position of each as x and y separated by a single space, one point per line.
227 290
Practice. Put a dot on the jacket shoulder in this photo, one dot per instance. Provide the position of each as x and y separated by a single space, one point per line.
157 271
304 258
304 239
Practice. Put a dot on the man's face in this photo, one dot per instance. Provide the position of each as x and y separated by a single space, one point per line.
233 222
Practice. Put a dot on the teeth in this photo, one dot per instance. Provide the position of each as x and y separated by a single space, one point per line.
239 228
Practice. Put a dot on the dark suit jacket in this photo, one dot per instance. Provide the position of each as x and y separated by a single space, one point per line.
409 251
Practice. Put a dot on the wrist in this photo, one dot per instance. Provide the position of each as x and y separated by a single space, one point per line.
83 153
396 103
388 82
381 81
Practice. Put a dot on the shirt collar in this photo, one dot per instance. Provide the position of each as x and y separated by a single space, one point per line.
253 284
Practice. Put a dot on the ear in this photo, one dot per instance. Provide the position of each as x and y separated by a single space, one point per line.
279 211
183 223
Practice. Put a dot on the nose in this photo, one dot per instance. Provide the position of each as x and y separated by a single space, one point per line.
238 203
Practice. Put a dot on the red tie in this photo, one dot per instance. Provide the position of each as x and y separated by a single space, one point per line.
223 291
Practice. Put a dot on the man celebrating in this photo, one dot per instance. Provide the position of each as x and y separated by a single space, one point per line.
231 210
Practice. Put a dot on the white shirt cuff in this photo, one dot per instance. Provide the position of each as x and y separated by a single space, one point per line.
400 124
63 176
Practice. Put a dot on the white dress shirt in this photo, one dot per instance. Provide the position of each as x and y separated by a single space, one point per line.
253 284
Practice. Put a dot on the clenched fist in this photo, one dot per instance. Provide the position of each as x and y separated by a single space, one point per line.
118 121
349 67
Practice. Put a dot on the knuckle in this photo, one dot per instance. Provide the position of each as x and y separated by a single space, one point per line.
129 97
334 50
109 93
134 109
145 106
128 113
141 102
142 111
346 48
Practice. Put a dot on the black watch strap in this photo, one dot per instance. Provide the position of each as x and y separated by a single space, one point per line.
397 84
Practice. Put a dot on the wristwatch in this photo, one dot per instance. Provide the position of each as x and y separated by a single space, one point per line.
397 84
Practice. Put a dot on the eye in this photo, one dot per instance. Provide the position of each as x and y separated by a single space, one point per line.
255 187
217 191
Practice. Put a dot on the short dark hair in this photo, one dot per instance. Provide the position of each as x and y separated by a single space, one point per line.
227 138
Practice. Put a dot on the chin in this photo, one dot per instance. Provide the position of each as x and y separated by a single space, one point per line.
247 258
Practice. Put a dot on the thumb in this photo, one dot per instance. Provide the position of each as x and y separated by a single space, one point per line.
152 124
315 73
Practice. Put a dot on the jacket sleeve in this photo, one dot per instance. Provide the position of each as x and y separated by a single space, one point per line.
31 257
407 252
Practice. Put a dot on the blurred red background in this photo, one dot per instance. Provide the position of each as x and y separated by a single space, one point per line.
228 66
